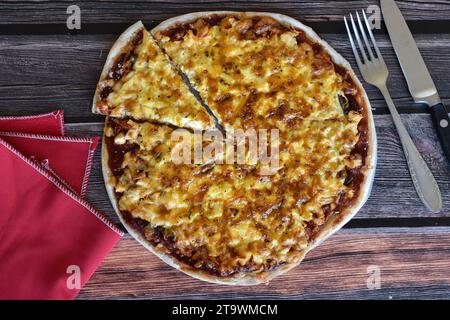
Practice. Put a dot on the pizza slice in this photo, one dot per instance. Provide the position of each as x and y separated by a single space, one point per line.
139 81
256 72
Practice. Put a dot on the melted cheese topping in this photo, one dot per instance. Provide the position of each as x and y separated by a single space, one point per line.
153 90
250 78
228 218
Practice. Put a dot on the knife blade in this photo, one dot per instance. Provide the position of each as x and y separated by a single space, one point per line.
418 78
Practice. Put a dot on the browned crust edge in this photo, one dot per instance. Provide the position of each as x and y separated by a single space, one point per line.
333 224
116 50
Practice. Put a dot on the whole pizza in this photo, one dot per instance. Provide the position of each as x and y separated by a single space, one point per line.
233 222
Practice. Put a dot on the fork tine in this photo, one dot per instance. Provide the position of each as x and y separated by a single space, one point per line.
374 42
352 43
363 32
358 39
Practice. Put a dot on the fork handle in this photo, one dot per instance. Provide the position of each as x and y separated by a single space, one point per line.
424 182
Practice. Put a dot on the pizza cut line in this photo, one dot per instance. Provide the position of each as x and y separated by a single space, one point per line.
256 71
225 222
140 82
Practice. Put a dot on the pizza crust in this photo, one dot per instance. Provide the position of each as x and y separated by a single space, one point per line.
333 224
116 50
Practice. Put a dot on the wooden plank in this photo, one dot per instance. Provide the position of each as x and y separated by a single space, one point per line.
122 11
393 195
45 72
413 263
77 100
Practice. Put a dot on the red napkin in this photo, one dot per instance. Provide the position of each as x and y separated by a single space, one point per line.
48 123
47 232
68 159
72 167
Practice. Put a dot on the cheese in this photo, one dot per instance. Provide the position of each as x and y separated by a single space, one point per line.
257 82
229 216
153 90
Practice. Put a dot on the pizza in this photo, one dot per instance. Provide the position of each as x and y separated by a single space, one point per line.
256 71
139 81
225 221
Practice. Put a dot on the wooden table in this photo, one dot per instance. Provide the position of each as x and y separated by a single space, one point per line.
45 66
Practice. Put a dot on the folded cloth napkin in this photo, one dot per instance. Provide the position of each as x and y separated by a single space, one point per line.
51 240
65 163
49 123
69 159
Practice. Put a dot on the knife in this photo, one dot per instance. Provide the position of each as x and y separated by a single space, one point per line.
420 84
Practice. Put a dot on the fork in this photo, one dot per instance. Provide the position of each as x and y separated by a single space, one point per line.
375 72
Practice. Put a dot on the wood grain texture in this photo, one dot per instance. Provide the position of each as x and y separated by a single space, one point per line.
45 66
411 263
123 11
45 72
393 194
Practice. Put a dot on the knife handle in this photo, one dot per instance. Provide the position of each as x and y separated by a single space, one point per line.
441 122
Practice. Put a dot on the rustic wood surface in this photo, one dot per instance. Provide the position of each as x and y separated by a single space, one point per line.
62 70
412 263
45 66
